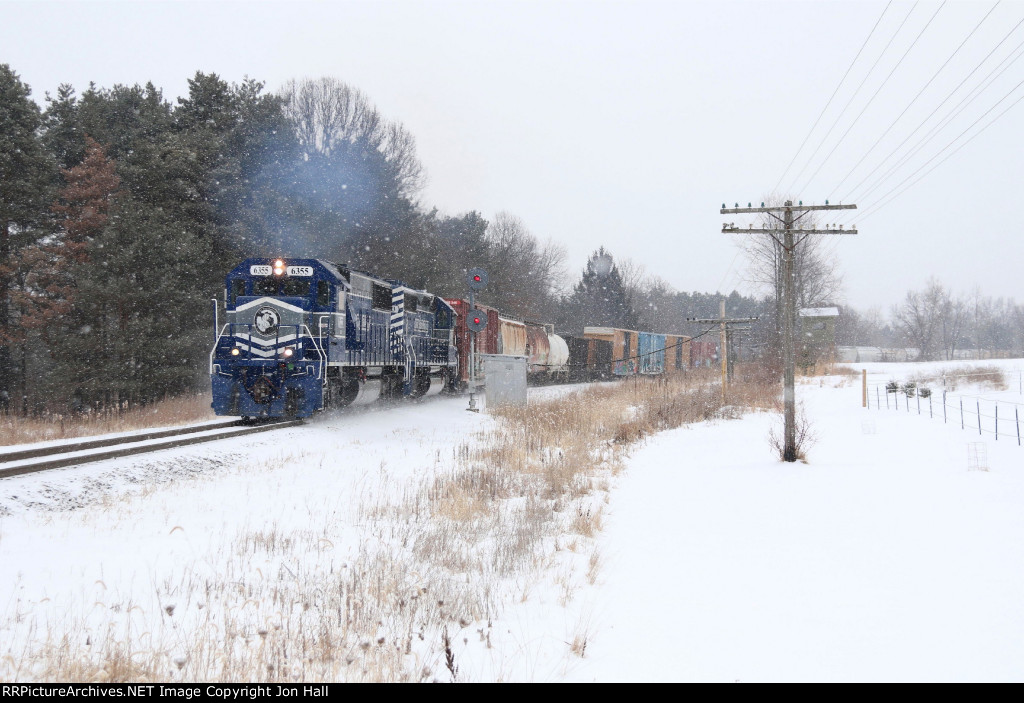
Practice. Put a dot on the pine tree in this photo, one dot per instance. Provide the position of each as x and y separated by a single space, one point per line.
600 298
62 133
83 208
27 175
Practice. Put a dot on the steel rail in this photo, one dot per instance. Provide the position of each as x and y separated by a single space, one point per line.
137 448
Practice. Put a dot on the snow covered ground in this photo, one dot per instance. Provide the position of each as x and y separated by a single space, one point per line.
882 558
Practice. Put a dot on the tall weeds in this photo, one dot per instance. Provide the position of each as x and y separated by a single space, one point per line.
15 429
511 514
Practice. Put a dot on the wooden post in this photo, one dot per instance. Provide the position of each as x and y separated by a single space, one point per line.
788 343
723 350
863 388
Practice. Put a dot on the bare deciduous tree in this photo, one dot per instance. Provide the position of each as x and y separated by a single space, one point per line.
818 280
932 320
328 112
522 272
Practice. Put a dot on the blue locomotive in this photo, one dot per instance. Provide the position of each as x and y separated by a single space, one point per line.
302 335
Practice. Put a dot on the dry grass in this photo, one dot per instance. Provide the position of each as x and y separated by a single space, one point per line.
15 429
827 368
434 566
989 377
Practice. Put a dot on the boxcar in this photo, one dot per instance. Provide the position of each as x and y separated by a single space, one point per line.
677 353
624 348
651 353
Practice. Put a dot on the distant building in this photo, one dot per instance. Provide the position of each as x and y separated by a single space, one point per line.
816 340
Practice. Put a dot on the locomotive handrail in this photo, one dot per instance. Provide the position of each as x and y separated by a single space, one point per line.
216 343
323 357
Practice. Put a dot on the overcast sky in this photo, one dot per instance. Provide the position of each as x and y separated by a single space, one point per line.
628 124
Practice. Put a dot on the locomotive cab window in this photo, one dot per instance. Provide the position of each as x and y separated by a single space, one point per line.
381 297
264 286
295 287
323 294
444 318
237 289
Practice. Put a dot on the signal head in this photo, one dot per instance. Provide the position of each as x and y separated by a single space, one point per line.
476 321
476 278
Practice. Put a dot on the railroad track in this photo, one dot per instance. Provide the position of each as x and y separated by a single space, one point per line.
28 461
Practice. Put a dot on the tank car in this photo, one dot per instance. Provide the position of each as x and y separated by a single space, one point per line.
546 352
302 335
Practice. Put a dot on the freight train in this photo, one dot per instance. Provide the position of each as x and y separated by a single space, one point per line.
302 335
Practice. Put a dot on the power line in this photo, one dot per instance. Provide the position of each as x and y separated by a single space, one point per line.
878 207
824 109
937 108
953 114
852 97
875 95
919 93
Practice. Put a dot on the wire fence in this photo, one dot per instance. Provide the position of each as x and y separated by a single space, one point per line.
986 414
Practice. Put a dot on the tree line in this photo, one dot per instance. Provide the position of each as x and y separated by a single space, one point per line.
940 324
120 212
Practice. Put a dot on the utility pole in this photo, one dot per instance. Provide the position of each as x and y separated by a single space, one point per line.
788 243
731 336
723 351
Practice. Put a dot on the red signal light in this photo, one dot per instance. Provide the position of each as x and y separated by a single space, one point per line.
476 320
476 278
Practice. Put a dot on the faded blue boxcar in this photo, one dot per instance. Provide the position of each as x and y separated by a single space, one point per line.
651 353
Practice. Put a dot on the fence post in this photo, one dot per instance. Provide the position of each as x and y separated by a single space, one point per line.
878 403
918 401
997 422
944 418
887 397
931 413
864 388
962 414
978 407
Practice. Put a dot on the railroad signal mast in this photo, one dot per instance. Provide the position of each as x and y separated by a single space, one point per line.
476 321
787 227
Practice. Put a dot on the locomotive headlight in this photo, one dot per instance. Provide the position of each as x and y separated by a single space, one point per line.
288 352
278 267
235 351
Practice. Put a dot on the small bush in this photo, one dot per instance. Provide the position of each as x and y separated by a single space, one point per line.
803 440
